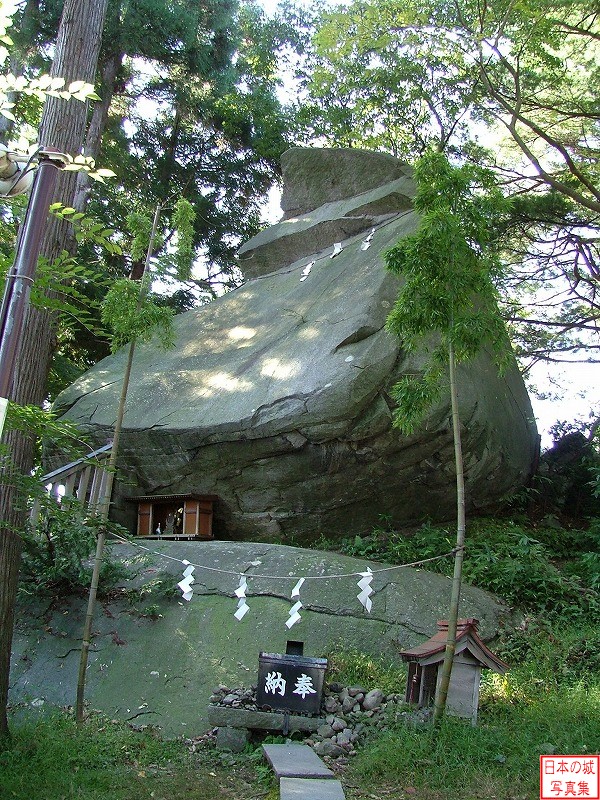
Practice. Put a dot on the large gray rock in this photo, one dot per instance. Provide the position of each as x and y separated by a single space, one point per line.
276 396
313 177
161 670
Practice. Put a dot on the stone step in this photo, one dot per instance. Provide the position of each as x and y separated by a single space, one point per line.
295 761
310 789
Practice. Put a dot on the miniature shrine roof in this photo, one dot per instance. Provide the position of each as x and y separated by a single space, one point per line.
163 498
467 638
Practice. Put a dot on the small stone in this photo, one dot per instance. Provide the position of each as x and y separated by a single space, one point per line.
326 731
329 748
373 699
229 699
343 738
348 705
353 691
232 739
338 724
356 708
336 688
331 704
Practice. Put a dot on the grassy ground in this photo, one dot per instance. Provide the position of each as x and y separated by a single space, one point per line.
54 759
548 703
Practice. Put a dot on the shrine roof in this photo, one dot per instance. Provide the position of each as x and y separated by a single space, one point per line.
164 498
467 638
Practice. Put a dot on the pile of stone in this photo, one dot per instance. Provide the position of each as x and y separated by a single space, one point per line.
234 698
347 714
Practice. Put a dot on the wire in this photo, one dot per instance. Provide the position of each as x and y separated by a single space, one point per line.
124 540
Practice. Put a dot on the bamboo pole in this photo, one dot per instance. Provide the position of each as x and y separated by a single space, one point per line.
105 504
442 693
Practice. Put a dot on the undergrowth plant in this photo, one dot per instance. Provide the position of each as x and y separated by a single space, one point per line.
542 571
351 667
52 758
56 552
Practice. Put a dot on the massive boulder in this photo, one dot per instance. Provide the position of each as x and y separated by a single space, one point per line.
157 661
276 396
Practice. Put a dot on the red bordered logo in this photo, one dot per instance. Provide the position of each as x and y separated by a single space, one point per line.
569 777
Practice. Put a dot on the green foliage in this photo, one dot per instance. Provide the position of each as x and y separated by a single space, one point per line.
56 554
47 428
140 227
163 586
87 228
527 568
447 291
351 667
47 431
131 314
55 758
522 78
549 656
498 758
183 223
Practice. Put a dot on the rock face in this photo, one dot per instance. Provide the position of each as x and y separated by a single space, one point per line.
275 398
157 660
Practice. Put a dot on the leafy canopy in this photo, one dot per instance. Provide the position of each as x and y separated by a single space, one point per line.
447 299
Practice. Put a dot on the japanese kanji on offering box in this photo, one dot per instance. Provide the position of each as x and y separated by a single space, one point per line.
290 682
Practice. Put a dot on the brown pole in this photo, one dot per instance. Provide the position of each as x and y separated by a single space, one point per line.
22 273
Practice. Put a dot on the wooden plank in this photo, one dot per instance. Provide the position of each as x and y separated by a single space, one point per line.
95 490
50 477
205 518
70 484
84 481
144 526
191 514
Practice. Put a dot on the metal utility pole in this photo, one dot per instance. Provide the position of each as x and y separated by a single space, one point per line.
22 273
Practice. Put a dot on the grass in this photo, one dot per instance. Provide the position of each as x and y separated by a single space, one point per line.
350 667
522 717
549 702
54 759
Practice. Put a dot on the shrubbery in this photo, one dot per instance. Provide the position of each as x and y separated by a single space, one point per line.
56 554
546 571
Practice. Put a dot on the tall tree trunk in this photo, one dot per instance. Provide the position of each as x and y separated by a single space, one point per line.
442 693
97 125
63 127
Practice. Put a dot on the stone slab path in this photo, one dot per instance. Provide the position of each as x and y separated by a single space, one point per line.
310 789
301 773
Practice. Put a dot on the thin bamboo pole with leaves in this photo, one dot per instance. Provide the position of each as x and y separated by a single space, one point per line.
447 297
446 670
105 504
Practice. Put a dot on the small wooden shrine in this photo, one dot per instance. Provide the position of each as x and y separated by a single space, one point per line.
471 655
175 516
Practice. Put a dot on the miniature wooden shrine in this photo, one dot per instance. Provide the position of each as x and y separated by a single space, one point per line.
175 516
471 655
